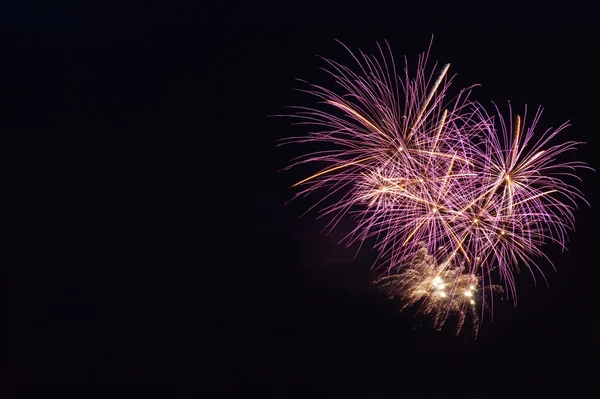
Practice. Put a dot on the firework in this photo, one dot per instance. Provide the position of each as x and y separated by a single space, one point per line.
520 198
421 171
443 291
391 139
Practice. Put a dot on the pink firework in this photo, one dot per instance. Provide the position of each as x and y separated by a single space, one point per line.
385 133
417 168
520 199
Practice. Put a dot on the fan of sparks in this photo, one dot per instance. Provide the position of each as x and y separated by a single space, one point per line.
446 191
440 291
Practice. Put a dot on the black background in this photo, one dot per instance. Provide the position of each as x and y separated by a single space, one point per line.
145 239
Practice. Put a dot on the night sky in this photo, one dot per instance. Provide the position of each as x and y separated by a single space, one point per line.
146 243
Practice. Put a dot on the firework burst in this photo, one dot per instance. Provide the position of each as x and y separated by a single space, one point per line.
443 291
391 139
422 171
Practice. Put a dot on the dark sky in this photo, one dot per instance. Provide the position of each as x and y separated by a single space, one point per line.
145 239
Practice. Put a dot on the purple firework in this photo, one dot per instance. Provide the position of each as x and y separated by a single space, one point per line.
419 169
